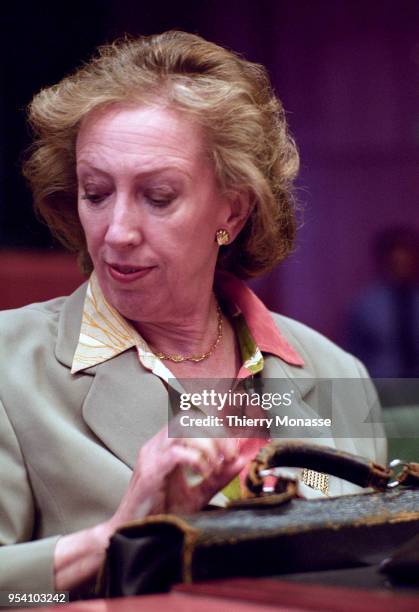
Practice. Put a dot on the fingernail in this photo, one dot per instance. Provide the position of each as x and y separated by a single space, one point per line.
193 478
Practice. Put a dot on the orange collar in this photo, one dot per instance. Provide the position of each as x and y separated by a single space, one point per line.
258 318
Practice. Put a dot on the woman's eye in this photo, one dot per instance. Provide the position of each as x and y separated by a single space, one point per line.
93 198
160 199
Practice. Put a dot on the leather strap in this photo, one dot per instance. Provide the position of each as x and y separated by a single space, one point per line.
410 475
355 469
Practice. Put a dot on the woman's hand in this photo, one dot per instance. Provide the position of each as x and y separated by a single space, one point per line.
159 484
161 481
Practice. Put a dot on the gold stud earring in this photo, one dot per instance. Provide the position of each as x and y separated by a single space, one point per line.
222 237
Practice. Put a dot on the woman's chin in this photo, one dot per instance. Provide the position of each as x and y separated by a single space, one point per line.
134 306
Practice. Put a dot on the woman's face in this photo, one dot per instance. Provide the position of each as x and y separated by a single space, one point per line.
149 206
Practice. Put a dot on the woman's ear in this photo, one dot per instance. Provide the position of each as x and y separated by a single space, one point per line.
240 207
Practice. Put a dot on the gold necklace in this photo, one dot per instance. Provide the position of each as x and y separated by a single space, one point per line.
176 358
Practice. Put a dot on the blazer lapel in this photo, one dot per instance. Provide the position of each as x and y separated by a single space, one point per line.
309 397
126 405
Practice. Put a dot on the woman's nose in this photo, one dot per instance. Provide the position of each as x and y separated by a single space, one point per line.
123 228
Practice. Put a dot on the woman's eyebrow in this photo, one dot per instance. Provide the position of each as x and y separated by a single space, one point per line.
87 166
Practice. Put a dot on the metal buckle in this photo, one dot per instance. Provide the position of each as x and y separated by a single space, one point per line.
269 472
393 464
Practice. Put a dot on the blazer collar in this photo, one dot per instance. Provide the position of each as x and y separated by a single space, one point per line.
69 324
257 316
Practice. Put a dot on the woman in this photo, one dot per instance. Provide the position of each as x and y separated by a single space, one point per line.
166 163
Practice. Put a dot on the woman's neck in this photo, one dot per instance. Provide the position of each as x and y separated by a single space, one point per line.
188 332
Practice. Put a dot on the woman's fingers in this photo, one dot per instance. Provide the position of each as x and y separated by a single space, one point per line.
181 474
206 446
228 447
173 474
195 458
214 454
226 472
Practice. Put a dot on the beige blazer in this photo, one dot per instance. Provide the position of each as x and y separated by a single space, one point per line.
68 443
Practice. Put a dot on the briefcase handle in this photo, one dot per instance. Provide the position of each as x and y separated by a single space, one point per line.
353 468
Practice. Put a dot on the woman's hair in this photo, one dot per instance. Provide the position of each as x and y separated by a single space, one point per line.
244 125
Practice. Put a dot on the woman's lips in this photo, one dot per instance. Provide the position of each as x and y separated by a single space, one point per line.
126 273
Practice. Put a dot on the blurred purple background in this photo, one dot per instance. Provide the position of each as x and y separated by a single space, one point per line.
347 72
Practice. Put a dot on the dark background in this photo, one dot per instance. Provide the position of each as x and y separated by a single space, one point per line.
347 73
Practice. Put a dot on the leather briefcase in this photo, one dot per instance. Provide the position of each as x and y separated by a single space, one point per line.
266 535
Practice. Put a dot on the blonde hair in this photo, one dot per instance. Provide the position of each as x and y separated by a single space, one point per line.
231 98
